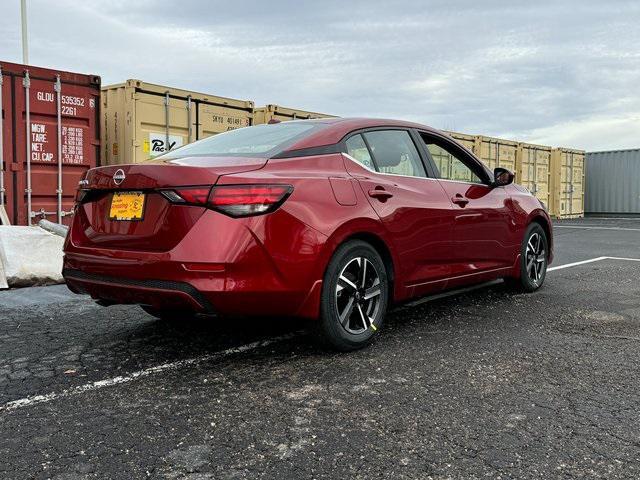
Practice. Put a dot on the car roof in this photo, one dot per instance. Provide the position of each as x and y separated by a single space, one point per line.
336 128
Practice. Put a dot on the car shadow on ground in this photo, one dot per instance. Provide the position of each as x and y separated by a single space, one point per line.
203 335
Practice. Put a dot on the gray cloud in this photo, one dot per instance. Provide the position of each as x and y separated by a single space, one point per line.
561 73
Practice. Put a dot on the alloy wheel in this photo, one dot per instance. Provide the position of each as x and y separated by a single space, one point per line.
536 258
358 296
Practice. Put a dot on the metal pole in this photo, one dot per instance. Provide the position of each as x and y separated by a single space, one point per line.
25 46
571 186
188 118
58 88
1 146
166 122
535 170
27 84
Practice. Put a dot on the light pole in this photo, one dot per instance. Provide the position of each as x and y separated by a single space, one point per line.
25 46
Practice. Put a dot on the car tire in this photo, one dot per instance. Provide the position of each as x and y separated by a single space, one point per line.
534 259
353 307
169 315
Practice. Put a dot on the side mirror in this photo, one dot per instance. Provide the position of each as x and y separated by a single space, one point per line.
502 177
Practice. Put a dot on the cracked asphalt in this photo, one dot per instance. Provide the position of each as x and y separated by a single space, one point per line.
486 384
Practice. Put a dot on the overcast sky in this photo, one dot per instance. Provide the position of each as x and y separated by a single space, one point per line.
562 73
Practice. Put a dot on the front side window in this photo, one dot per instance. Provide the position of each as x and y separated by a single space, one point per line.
394 152
257 141
449 166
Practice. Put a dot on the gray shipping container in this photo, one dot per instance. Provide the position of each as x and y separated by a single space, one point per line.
613 182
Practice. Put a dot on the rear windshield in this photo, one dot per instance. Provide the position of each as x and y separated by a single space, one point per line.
258 141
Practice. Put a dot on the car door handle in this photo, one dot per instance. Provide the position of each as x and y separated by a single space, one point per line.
460 200
380 194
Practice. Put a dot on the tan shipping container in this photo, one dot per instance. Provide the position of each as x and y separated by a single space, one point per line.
497 152
567 183
447 166
554 175
533 170
494 152
283 114
140 119
468 141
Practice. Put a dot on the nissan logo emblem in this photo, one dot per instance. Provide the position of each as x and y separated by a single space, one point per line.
119 176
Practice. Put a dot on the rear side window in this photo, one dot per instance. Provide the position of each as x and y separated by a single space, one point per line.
257 141
357 149
394 152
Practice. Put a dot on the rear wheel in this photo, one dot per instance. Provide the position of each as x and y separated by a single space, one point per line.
354 299
534 257
169 315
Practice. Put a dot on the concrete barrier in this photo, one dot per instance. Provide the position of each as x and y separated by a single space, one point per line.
30 256
3 276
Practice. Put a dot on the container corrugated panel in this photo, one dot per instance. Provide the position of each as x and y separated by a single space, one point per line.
567 183
30 130
468 141
282 114
448 166
141 120
533 169
497 152
613 182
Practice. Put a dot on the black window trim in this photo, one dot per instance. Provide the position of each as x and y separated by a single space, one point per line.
367 146
309 151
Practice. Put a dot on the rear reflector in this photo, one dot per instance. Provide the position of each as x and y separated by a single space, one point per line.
204 267
247 200
80 194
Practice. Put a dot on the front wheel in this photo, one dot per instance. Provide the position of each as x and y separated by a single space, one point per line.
354 298
534 256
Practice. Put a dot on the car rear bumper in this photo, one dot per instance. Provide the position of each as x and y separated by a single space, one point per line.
222 265
157 293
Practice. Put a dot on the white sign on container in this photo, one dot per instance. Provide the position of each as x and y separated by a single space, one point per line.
156 145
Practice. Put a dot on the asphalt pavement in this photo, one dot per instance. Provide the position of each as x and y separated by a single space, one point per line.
484 384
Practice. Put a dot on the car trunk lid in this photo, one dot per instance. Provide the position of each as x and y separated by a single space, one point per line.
159 174
160 224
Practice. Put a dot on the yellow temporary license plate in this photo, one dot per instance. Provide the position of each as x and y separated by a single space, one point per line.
127 206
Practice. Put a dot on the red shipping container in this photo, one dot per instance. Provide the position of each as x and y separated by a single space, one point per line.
51 118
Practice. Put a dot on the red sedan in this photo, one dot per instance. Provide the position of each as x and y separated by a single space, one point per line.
332 220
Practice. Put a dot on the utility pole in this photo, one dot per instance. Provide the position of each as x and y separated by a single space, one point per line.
25 46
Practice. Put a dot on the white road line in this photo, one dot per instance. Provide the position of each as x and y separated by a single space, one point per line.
89 387
628 219
591 260
625 259
575 264
593 227
49 397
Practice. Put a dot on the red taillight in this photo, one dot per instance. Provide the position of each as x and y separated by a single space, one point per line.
188 195
247 200
233 200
